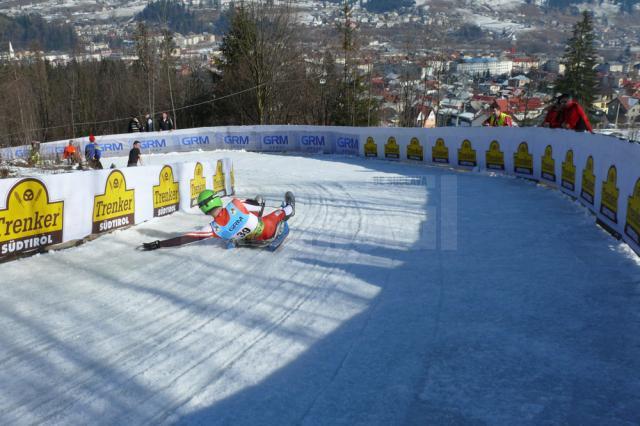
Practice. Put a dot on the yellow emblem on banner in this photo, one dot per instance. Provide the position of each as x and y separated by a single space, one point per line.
467 155
440 152
218 179
569 172
415 150
522 160
588 191
29 221
391 149
166 195
548 165
632 227
233 180
495 157
197 184
115 208
370 148
610 192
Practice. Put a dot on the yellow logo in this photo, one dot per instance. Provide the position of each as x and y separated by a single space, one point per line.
166 195
632 227
522 160
440 152
569 172
610 192
197 184
233 181
218 179
467 155
495 157
588 192
548 165
415 150
29 221
370 148
116 207
391 148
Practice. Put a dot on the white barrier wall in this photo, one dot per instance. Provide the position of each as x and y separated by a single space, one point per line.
601 171
52 209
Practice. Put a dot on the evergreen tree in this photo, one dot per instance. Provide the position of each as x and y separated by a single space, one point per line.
580 78
261 63
172 14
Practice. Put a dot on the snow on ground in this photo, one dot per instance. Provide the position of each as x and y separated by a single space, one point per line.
492 23
462 299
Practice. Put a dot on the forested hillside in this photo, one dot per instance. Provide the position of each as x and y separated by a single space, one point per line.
28 30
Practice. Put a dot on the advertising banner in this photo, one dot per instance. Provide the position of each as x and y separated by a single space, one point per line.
523 160
371 148
315 142
415 150
494 157
632 225
588 192
610 193
347 144
166 194
197 184
115 207
30 220
237 138
467 155
391 149
195 141
548 165
281 141
440 152
569 173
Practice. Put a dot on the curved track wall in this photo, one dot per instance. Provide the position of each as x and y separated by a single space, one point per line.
49 210
602 172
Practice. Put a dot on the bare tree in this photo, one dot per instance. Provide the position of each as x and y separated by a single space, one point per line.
145 48
166 51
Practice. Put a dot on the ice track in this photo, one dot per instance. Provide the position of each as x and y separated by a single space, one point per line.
403 295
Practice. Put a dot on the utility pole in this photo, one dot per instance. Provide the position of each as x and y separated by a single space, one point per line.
370 67
323 81
347 45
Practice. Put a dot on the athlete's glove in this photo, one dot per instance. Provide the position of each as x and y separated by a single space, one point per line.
152 245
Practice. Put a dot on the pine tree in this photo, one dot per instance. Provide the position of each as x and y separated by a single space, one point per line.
580 77
261 62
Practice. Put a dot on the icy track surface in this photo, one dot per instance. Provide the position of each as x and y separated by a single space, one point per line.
465 299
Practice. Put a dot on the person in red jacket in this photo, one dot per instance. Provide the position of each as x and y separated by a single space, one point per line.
553 119
573 116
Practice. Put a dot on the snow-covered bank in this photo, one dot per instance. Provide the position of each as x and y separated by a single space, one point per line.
461 299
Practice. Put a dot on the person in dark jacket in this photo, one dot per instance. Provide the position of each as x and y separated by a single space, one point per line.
134 155
135 126
573 116
165 122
